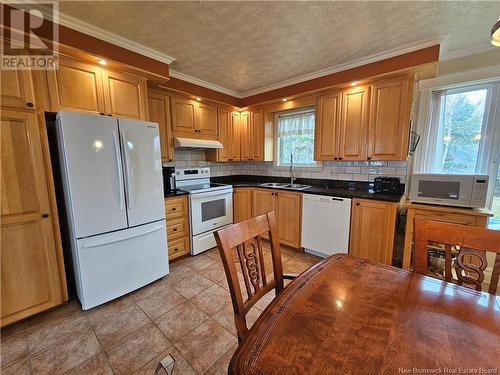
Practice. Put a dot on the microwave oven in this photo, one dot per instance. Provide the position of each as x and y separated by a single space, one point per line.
449 189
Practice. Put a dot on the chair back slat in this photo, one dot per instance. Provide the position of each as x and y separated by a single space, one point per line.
241 244
471 244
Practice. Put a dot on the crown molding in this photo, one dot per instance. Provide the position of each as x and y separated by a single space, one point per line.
479 76
200 82
96 32
463 52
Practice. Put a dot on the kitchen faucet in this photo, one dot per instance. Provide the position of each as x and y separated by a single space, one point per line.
292 175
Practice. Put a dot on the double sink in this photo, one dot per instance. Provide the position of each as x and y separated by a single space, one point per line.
284 185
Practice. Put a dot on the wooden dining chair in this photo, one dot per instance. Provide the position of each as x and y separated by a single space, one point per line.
472 244
242 242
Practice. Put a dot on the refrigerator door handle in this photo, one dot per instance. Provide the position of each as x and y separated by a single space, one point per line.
119 171
122 238
128 170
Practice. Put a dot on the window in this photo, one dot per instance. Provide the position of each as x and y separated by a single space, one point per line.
458 123
460 131
295 137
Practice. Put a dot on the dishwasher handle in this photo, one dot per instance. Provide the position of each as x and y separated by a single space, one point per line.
326 199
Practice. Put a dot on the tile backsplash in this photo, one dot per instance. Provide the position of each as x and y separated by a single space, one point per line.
333 170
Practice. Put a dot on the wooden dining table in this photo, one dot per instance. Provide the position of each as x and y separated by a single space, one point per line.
346 315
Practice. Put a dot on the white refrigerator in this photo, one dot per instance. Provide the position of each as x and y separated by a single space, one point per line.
111 174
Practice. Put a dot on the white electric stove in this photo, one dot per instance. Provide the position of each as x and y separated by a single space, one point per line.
210 205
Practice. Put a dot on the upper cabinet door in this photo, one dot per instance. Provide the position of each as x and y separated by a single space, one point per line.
17 89
257 130
159 111
30 275
125 95
76 86
354 124
245 137
235 136
207 119
225 135
389 123
183 114
327 124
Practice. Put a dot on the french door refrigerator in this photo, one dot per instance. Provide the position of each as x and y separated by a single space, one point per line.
113 191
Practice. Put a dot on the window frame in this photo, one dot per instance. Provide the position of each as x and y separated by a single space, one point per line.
317 165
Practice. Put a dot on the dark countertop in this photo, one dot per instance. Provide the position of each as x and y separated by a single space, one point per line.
175 193
333 188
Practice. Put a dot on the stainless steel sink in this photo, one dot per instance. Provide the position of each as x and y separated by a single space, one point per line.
284 185
297 186
274 184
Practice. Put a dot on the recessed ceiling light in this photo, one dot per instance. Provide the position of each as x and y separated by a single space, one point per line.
199 99
495 34
354 83
102 62
285 99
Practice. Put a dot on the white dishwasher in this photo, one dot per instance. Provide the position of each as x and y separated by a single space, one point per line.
325 224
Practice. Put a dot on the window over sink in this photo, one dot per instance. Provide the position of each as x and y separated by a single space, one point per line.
294 135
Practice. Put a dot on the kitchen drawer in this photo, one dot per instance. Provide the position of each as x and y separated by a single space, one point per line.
177 228
176 207
178 248
448 217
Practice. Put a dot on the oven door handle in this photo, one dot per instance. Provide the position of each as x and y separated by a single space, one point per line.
211 194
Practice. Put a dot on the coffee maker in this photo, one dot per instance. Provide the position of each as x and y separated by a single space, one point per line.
169 185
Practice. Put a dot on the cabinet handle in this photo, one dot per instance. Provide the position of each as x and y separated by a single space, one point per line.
369 158
340 158
357 204
175 229
29 104
176 249
45 215
169 159
174 209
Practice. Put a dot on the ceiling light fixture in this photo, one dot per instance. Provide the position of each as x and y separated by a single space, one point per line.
495 33
285 99
354 84
102 62
199 99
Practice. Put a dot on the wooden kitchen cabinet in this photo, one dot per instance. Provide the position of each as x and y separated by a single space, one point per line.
229 135
476 217
183 114
159 111
194 119
373 225
177 215
353 127
32 280
242 204
125 95
288 209
206 120
235 148
389 123
76 86
289 214
83 87
17 89
257 133
327 127
245 137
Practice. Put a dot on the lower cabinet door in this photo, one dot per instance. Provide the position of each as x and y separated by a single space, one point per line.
373 225
242 204
289 213
31 280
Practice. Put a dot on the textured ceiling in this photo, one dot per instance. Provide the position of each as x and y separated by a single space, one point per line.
247 45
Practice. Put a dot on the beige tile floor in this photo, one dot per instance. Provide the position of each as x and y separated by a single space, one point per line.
187 314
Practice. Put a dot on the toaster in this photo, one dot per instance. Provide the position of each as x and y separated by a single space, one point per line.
386 185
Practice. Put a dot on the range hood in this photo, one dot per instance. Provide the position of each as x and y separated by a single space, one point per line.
196 143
